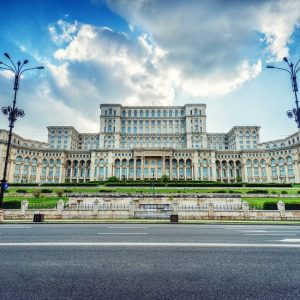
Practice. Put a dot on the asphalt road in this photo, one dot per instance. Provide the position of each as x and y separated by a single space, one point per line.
168 261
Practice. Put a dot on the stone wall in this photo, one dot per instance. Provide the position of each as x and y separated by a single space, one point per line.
132 210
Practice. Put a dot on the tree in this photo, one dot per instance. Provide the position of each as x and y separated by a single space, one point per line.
165 178
112 179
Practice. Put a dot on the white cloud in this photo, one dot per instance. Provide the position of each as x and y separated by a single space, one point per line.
62 31
278 22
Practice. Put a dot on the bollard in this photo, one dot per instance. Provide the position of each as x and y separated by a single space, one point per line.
174 218
37 218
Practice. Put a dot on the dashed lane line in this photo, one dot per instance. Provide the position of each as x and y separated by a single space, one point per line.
184 245
268 234
122 233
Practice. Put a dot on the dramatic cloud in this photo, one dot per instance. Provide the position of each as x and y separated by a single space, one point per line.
215 45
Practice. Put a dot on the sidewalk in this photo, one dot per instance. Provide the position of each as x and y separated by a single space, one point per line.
153 221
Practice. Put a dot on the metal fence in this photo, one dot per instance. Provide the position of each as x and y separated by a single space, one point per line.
99 207
205 207
42 206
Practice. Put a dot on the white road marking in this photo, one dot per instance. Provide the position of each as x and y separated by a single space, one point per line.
254 231
264 234
121 233
126 227
291 240
15 227
194 245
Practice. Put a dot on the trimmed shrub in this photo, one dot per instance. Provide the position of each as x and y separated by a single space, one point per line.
220 192
273 192
21 191
46 191
68 191
70 184
284 192
270 206
23 184
292 206
12 204
106 191
113 179
258 192
268 185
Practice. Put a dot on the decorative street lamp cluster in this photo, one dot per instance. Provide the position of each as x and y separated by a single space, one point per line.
292 70
12 112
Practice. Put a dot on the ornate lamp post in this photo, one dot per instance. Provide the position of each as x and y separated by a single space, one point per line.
12 112
292 70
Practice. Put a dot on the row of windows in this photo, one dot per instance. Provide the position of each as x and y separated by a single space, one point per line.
59 132
152 113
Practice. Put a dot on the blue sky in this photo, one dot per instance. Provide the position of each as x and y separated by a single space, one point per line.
151 52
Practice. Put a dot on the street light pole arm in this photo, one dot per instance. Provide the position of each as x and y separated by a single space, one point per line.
35 68
282 69
10 68
297 64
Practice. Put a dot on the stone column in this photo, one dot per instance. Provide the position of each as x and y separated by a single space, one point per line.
1 216
163 171
296 171
210 210
95 207
171 168
245 208
134 169
24 207
71 171
21 171
286 172
184 170
60 206
192 166
175 207
268 172
245 177
281 209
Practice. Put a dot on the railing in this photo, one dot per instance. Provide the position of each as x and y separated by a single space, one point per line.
98 207
205 207
193 207
42 206
227 207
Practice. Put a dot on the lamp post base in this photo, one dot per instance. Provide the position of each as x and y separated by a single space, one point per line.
1 216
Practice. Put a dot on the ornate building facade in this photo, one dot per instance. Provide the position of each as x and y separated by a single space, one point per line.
145 142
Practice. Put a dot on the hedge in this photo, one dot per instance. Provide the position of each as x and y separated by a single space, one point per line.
214 184
46 191
22 184
70 184
292 206
258 192
270 206
268 184
21 191
12 204
147 184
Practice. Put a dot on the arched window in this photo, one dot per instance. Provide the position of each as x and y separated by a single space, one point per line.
273 167
290 166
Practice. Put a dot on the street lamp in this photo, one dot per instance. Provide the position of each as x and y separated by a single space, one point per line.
12 112
292 70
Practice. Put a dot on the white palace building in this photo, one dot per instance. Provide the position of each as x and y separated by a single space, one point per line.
145 142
